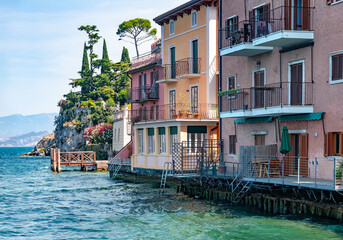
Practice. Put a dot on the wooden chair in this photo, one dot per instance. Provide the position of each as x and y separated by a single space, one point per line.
275 167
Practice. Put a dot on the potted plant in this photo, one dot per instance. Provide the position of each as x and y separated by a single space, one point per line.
181 112
196 115
339 176
175 116
189 114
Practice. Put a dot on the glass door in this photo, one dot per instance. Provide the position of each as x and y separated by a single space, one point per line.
194 99
172 103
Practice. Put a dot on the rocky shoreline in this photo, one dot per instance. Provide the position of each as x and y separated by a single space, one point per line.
43 147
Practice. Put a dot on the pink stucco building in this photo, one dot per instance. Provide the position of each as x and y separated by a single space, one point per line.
281 65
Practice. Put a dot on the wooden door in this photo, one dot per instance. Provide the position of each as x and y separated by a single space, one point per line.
258 89
297 158
260 140
296 84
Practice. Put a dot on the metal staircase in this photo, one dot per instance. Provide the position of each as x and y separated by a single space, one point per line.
242 192
116 171
165 173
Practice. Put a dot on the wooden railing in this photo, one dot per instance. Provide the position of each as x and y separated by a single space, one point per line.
82 159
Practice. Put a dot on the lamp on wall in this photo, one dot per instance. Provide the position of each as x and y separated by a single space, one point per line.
258 63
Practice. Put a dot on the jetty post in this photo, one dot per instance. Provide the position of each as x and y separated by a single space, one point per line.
54 165
58 160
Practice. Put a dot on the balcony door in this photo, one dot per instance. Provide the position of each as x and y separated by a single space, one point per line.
195 56
297 159
296 83
172 103
259 18
140 88
194 99
259 89
172 63
297 15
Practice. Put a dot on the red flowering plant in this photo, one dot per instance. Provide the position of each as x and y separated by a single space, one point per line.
101 133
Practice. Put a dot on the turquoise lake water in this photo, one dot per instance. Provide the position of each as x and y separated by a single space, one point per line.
38 204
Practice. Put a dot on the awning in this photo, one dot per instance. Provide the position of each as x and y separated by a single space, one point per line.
254 120
173 130
151 132
161 131
196 129
302 117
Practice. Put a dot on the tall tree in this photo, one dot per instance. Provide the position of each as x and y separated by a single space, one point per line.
105 58
85 62
93 38
137 31
125 56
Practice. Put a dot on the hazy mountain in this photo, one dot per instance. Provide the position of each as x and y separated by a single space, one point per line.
26 140
16 125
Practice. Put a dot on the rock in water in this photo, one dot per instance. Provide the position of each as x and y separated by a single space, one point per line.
43 147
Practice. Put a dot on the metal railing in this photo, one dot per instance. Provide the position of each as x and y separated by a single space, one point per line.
144 93
181 68
311 172
196 157
277 19
175 111
270 95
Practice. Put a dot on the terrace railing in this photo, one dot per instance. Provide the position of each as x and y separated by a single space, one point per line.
188 66
141 94
271 95
235 34
145 58
175 111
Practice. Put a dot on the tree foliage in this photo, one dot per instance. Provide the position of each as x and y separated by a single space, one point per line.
136 31
105 59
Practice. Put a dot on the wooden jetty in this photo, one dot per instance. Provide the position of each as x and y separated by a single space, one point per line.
82 159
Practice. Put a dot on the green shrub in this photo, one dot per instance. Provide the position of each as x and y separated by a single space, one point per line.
91 103
110 103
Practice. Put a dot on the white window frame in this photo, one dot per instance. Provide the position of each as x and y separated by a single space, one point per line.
330 69
195 13
334 2
162 143
151 144
141 141
171 27
289 81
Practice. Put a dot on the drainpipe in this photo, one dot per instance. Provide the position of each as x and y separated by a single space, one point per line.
213 130
220 68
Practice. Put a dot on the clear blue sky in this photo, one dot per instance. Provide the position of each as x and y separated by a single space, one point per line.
41 48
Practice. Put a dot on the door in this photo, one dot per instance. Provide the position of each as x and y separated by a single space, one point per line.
297 15
172 63
259 19
144 87
297 159
296 84
194 99
258 89
195 56
172 103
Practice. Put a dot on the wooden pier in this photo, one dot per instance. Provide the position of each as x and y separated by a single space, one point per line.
82 159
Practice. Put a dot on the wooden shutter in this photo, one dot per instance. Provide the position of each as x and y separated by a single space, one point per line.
252 22
287 15
306 15
328 2
266 12
235 23
303 145
330 143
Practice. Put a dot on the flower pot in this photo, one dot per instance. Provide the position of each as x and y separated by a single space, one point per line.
189 115
338 181
196 116
180 115
175 116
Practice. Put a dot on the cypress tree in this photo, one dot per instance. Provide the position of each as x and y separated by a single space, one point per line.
85 63
125 56
105 58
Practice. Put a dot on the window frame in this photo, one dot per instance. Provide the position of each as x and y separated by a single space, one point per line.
141 141
232 146
227 85
171 23
151 144
195 13
330 67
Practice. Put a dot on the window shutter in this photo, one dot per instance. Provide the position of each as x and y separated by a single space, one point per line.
235 23
307 15
341 143
330 144
328 2
226 28
266 12
252 22
335 67
304 145
288 16
326 145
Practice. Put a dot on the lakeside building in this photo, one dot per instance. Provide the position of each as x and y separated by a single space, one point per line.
281 65
186 108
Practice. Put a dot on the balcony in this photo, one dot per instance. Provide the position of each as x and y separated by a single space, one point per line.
236 40
187 68
145 93
269 100
283 26
144 59
177 112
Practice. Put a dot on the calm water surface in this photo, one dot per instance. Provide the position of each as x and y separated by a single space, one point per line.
38 204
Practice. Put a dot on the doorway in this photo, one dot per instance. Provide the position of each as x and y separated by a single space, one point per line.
297 159
296 72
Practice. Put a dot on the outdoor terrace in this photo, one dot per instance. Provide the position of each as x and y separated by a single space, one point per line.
144 93
144 59
186 112
269 100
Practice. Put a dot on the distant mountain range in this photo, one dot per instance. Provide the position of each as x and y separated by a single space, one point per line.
17 125
26 140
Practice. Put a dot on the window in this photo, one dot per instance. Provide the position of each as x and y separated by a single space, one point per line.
194 18
151 78
152 112
194 99
162 140
231 25
260 140
231 84
151 142
173 138
332 2
336 68
334 144
196 136
115 135
232 142
171 27
118 135
141 141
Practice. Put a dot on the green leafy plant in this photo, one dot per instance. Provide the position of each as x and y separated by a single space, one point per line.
339 172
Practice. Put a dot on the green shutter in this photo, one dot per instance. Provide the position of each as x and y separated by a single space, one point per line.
302 117
197 129
150 132
173 130
161 131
